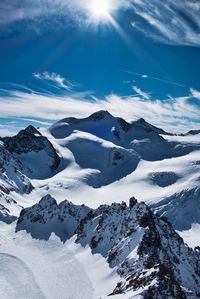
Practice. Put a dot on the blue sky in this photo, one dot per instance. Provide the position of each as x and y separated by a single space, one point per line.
61 58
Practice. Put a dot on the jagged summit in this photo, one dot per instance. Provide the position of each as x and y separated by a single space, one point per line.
32 130
149 255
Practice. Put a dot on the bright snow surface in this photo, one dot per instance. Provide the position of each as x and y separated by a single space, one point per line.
71 180
50 269
33 268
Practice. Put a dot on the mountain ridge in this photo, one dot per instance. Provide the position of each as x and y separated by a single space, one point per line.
141 245
97 162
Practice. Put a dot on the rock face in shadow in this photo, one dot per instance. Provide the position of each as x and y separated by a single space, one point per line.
12 175
12 179
34 151
164 178
46 217
149 255
182 208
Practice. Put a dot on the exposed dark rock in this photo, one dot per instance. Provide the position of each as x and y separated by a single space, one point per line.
146 251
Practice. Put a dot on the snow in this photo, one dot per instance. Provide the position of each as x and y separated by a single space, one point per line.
191 236
16 279
33 268
102 277
37 164
71 181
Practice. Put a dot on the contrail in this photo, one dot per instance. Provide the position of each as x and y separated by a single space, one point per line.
154 78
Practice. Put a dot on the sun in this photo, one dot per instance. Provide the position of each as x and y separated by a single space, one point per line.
100 9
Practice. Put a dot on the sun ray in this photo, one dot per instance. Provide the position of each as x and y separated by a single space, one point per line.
100 10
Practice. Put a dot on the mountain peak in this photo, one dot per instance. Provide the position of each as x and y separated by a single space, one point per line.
32 130
99 115
144 248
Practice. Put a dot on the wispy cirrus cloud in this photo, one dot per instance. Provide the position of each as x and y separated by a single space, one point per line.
141 93
56 79
51 14
195 93
169 21
63 86
173 114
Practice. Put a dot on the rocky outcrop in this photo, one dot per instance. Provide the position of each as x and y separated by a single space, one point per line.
12 180
28 146
12 176
149 255
62 219
164 178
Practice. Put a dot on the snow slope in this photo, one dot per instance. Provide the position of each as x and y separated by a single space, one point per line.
50 269
143 248
95 161
87 174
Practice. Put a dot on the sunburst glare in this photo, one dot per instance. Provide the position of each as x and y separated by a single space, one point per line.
100 10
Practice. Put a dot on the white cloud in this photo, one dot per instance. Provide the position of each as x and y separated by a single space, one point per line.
141 93
35 121
169 21
55 79
195 93
177 115
8 130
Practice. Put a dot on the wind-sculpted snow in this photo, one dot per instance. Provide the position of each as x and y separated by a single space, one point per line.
34 151
182 209
17 280
149 255
111 162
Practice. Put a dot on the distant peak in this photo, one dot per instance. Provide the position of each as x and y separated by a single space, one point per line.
99 115
47 200
32 130
142 120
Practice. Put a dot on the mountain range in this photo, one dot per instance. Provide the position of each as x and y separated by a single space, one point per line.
112 207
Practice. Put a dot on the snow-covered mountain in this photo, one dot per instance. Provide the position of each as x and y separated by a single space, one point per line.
182 208
139 135
98 163
149 255
34 151
12 180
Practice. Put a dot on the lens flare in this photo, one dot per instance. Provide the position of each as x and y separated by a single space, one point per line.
100 9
